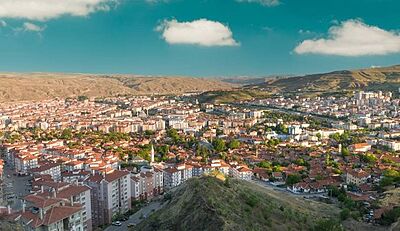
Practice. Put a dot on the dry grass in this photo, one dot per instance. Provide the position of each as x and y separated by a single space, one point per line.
391 197
210 204
40 86
373 78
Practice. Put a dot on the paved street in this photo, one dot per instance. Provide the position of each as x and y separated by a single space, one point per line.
15 187
136 218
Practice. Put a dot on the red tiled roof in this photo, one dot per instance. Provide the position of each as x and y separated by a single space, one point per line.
41 202
58 213
115 175
52 215
72 190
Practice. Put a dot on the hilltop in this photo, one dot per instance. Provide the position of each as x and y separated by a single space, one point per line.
337 83
40 86
208 203
382 78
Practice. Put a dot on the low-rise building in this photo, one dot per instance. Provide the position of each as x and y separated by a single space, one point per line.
357 177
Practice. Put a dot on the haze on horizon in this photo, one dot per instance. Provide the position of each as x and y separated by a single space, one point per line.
197 38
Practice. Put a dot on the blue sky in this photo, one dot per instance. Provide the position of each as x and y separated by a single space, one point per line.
198 37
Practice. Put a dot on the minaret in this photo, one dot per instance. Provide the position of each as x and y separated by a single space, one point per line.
152 154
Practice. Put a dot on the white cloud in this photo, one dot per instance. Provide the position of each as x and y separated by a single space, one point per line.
353 38
156 1
27 26
263 2
49 9
3 23
200 32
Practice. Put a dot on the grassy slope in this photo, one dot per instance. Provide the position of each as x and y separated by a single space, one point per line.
208 204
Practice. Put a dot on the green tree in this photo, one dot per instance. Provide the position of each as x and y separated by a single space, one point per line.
292 179
173 134
219 145
264 164
390 177
328 225
344 214
390 216
280 128
234 144
335 137
82 98
369 158
345 151
66 134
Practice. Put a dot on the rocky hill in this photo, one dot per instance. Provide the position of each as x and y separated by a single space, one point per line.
39 86
208 203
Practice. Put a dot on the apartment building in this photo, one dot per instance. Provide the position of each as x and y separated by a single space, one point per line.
25 162
172 177
51 169
241 172
357 177
391 144
110 195
48 213
72 193
79 194
147 184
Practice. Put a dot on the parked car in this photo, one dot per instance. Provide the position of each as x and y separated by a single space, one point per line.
117 223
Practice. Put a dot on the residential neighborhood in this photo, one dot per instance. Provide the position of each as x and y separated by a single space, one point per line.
80 164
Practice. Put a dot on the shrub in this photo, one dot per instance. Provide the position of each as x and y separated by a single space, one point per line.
344 214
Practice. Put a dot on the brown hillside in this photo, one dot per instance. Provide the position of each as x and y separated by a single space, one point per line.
373 78
40 86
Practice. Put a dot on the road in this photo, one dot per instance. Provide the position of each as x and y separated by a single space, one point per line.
15 187
136 218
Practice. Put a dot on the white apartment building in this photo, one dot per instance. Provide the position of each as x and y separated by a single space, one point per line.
172 178
25 162
391 144
52 169
240 172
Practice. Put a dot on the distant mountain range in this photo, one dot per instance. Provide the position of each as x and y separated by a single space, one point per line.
381 78
40 86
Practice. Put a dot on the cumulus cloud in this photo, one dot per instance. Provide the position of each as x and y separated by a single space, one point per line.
263 2
28 26
200 32
353 38
42 10
3 23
